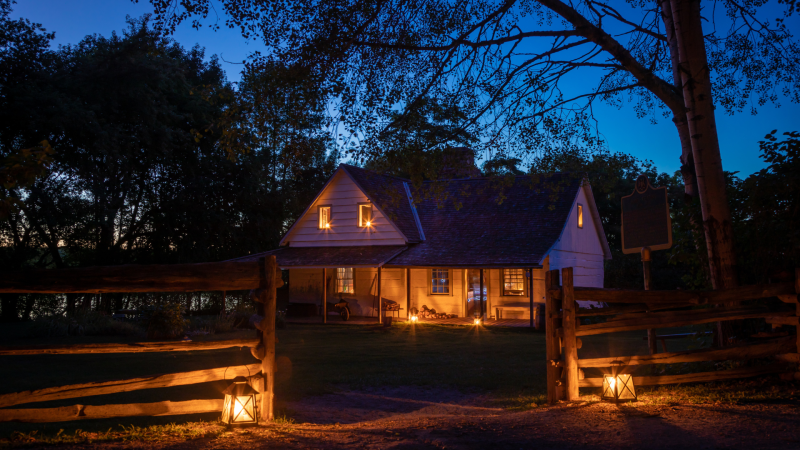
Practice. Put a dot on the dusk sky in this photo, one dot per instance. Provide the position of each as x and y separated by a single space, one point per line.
623 131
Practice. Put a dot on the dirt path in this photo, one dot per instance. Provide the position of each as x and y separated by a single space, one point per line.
409 419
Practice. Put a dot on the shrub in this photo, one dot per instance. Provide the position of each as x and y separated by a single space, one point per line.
165 321
90 323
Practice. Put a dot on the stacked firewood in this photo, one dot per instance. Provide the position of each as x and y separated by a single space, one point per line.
430 313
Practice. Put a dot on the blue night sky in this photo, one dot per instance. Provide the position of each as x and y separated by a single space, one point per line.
739 134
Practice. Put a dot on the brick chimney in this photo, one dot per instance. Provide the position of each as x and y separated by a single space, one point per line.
459 162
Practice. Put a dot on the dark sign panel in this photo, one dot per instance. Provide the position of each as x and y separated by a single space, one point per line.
645 218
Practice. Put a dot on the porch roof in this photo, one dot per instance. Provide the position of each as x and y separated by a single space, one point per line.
318 257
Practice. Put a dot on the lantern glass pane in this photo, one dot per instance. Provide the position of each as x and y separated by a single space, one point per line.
609 383
625 388
243 409
226 410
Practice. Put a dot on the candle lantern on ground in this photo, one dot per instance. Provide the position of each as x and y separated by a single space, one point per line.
618 387
239 407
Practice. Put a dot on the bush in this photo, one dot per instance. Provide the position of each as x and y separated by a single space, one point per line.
211 324
165 321
89 323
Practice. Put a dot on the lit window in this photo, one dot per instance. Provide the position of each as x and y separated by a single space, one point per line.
344 280
513 282
580 216
440 281
324 217
364 215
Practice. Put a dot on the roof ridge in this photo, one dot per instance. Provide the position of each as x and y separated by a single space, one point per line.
348 166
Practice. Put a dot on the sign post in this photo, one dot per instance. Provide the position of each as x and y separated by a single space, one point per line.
646 226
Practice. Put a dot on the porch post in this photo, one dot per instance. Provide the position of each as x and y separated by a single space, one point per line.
380 303
408 293
530 293
324 295
480 295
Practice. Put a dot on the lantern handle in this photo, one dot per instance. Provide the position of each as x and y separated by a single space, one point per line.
225 377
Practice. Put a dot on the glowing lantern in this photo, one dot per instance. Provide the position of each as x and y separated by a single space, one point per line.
369 223
414 318
477 321
618 387
240 404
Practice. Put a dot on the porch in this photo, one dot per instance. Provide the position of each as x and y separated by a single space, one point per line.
446 295
458 321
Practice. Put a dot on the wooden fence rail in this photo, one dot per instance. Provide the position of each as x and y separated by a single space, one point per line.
640 310
261 277
135 347
221 276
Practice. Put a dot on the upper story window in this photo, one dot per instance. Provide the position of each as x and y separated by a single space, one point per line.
513 281
440 281
345 284
580 216
324 217
364 215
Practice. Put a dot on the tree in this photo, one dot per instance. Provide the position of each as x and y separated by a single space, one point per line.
150 167
506 65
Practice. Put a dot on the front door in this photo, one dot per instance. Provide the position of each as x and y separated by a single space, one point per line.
473 287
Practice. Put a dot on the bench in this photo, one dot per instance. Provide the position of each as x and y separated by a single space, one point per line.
517 306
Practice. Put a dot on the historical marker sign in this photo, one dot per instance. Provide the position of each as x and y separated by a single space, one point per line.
645 218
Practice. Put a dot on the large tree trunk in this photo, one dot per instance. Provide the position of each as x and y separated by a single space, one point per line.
696 83
696 86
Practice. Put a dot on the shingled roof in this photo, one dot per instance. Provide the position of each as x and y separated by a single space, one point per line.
390 195
496 224
475 222
351 256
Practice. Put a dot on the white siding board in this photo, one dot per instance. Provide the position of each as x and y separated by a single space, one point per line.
343 196
580 248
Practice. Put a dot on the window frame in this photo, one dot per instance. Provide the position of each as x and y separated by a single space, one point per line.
525 282
579 211
337 278
449 281
319 217
359 219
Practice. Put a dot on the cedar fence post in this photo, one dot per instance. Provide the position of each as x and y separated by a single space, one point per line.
269 297
570 310
553 344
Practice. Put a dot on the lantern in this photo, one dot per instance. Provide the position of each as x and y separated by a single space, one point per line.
240 404
414 318
477 321
618 387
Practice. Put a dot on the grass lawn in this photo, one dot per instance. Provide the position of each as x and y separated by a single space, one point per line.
508 364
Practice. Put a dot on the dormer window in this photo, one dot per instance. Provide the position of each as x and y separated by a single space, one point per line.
364 215
580 216
324 217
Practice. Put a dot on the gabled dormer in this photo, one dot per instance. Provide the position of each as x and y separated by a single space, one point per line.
355 208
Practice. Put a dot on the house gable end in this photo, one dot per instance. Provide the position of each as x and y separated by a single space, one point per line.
343 195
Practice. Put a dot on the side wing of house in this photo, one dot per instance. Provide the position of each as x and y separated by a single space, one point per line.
582 244
343 196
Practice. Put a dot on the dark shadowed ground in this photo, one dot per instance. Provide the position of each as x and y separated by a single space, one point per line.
404 388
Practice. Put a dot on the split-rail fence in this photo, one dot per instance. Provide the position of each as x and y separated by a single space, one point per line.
260 277
639 310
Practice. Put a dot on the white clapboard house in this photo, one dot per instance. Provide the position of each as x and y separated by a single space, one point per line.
433 250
